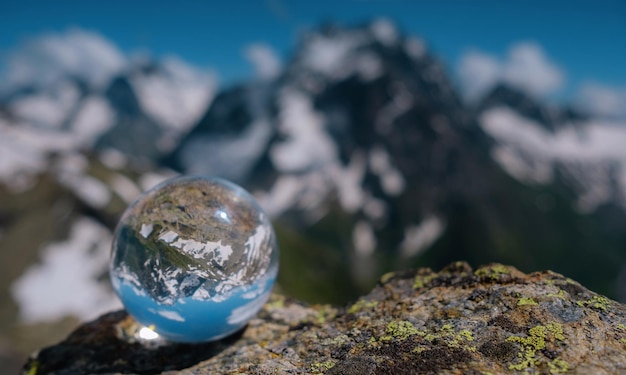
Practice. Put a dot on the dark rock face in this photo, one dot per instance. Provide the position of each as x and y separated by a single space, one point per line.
95 348
494 319
134 133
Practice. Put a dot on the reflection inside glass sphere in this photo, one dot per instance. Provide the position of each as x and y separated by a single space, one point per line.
195 258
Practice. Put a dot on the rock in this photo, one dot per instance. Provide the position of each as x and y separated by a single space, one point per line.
493 320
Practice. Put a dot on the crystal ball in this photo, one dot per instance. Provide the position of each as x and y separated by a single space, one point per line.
194 259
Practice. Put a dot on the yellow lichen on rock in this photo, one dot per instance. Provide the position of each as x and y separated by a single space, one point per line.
533 342
596 302
493 272
524 301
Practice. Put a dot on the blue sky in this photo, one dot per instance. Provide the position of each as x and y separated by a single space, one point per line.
585 39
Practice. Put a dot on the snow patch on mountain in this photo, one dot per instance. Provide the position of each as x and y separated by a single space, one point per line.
603 101
525 67
65 282
89 189
368 66
401 101
327 55
18 162
229 156
391 179
25 150
364 238
94 117
415 47
385 32
124 187
176 94
375 209
289 191
113 158
149 180
48 108
339 56
44 60
418 238
348 182
593 156
307 144
266 64
308 162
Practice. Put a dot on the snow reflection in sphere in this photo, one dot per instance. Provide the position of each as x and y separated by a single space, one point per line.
194 258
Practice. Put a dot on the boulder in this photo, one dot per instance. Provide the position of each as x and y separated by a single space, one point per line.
492 320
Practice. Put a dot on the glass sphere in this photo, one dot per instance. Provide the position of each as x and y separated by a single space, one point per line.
194 259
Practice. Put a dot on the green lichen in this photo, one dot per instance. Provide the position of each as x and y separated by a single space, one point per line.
558 366
423 280
466 334
530 345
597 302
400 330
452 339
32 370
456 340
560 294
324 314
386 277
336 341
492 272
621 327
320 367
524 301
557 331
276 302
535 341
362 305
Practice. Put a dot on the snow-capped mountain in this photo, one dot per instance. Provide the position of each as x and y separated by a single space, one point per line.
90 97
362 145
538 144
358 146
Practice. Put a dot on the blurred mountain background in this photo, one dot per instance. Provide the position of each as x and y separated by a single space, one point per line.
395 135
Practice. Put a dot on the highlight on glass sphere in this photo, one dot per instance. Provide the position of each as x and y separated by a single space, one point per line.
194 259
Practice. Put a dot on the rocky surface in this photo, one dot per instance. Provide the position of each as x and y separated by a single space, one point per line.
492 320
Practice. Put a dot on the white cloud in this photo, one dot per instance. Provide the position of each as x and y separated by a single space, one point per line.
264 60
45 59
526 67
603 101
